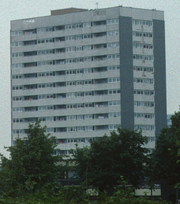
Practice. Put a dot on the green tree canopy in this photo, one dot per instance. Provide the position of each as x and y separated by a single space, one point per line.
32 163
165 157
120 154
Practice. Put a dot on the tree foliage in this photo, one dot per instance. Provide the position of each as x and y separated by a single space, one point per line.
120 154
165 158
31 163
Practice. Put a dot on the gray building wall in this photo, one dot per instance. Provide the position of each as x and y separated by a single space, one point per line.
126 77
160 75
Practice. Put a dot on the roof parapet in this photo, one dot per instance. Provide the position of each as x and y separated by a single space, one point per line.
66 11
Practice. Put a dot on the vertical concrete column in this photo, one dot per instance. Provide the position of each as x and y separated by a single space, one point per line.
126 72
159 75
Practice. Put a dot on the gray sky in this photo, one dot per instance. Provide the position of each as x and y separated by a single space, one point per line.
17 9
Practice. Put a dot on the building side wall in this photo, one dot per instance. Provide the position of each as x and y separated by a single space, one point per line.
160 75
126 78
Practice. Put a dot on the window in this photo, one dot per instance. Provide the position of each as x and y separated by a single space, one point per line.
145 127
45 29
17 33
142 80
78 25
88 70
87 47
17 76
17 87
16 44
79 48
89 93
101 127
143 57
115 44
115 91
113 127
80 129
86 36
112 33
100 58
114 56
88 116
88 128
60 61
102 92
142 22
114 103
101 34
71 129
80 105
29 54
80 59
87 24
80 117
99 23
114 115
112 21
44 52
71 95
144 34
16 66
100 46
70 49
45 63
79 94
18 109
113 80
57 28
101 104
30 109
144 69
90 81
71 117
30 64
19 54
29 32
89 105
73 60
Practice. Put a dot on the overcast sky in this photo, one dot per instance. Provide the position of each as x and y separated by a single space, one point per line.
18 9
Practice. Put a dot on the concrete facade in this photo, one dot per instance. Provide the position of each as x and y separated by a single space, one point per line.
84 73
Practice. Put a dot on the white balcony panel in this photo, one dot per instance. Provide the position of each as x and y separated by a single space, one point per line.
143 109
143 74
83 134
142 51
143 39
69 146
143 98
65 112
141 28
143 86
143 63
65 101
144 121
65 78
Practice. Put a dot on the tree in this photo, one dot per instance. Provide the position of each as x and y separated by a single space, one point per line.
31 164
165 157
121 154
